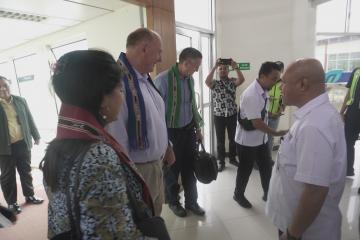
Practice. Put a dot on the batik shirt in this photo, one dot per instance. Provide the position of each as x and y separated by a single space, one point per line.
102 193
223 95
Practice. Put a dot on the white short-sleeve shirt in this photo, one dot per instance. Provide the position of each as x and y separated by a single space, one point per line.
313 152
252 102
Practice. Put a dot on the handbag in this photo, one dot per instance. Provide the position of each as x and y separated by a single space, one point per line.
205 165
150 226
246 124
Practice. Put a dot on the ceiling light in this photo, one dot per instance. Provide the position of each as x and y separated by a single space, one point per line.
21 16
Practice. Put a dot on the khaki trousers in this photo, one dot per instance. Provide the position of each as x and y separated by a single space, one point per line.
153 176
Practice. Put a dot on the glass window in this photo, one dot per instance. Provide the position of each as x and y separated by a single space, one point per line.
182 42
355 55
354 23
330 16
196 13
342 65
331 65
354 64
332 57
343 56
205 47
207 127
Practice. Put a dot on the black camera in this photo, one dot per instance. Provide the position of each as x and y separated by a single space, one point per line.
225 61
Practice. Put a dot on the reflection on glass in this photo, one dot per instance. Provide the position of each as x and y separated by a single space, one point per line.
205 48
197 13
355 16
182 42
207 128
330 16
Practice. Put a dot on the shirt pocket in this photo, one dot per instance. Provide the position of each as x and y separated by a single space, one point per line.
286 160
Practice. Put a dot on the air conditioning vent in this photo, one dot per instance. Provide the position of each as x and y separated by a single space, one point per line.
21 16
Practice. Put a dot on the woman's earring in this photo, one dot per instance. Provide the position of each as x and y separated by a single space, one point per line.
104 117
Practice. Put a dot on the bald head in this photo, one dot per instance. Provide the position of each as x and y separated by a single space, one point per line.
140 36
310 69
303 81
143 49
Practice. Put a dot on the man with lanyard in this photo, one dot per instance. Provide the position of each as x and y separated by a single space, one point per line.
176 86
308 178
224 106
252 131
350 111
141 127
275 106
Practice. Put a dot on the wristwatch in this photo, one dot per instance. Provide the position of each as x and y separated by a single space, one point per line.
290 237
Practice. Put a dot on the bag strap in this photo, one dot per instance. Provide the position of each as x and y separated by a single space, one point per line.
75 220
139 214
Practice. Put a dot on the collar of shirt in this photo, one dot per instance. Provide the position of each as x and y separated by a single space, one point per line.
3 101
309 106
260 90
141 76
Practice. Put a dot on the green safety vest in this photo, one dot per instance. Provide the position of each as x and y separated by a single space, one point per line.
354 83
275 98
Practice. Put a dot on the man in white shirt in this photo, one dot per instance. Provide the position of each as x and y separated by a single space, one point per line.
308 177
141 127
251 132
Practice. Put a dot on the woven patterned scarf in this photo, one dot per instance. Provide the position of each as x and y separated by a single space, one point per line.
174 98
77 123
136 125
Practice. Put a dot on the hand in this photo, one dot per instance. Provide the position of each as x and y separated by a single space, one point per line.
217 63
234 64
281 133
199 136
169 158
37 142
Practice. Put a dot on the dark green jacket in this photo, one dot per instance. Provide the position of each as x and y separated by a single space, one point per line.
26 121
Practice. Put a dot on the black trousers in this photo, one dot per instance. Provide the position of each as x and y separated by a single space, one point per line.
222 124
352 130
247 156
184 145
19 159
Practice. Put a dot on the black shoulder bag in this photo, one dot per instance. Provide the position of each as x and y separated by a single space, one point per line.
150 226
246 124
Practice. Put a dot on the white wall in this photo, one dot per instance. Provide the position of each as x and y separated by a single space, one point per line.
257 31
107 32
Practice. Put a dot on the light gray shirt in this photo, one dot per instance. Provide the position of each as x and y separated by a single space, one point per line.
155 124
186 114
312 152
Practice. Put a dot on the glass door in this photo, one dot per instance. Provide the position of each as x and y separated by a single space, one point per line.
202 42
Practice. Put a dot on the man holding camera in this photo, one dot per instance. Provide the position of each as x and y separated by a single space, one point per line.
224 107
252 131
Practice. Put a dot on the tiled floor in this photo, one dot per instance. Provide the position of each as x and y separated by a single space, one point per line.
224 219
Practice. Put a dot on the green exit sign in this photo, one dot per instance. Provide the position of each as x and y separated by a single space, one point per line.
244 66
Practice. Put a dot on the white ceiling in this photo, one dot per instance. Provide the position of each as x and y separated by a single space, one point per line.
60 14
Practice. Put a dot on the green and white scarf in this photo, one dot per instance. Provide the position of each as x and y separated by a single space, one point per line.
174 98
